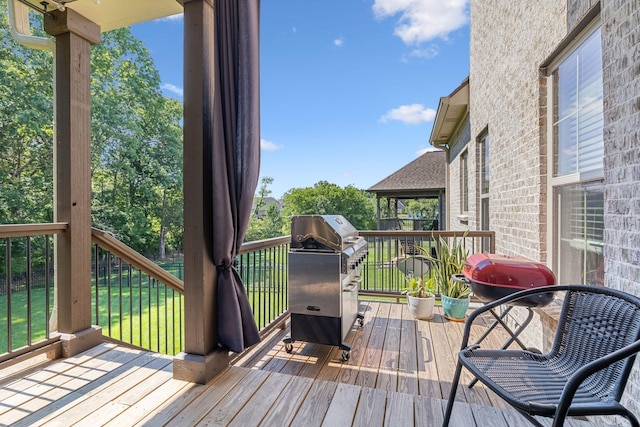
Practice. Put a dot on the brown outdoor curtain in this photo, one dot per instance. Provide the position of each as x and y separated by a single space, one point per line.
234 161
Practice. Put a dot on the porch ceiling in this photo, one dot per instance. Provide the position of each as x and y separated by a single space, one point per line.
112 14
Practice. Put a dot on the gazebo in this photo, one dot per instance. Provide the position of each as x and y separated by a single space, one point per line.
423 178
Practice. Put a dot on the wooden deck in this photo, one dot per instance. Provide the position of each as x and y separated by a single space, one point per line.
399 374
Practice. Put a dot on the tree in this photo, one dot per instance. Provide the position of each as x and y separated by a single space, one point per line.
26 130
136 141
422 208
266 223
136 146
262 195
330 199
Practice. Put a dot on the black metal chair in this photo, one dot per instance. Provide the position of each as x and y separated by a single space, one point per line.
586 370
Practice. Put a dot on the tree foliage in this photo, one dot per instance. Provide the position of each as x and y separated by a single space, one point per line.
136 141
26 130
137 146
325 198
266 221
422 208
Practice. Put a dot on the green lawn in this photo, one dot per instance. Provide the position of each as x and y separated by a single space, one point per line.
145 315
19 327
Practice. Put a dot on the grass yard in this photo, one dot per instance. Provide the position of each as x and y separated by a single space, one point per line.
145 314
18 332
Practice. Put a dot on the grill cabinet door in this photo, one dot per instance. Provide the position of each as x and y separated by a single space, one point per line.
315 283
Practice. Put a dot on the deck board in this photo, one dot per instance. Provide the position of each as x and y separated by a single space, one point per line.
343 406
286 405
370 412
257 407
399 374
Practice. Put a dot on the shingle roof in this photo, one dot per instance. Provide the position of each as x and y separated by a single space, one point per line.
426 173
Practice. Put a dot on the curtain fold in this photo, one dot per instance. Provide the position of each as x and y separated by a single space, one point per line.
235 160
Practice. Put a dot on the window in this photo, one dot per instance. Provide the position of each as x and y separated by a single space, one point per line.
483 154
464 183
484 164
577 176
578 110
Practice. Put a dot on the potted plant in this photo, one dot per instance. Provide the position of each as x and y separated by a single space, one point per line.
449 260
420 298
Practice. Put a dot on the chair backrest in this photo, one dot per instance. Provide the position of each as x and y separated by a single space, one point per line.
595 322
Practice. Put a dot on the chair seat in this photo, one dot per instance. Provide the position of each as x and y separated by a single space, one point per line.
530 382
586 369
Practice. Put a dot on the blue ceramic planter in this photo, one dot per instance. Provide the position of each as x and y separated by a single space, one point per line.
455 308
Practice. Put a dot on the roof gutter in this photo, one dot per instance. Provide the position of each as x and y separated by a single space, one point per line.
459 97
21 29
441 114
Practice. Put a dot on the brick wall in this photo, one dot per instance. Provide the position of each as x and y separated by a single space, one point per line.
576 9
507 97
621 79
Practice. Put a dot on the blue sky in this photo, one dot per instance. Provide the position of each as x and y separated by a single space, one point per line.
349 88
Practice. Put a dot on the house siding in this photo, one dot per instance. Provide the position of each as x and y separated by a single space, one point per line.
621 87
576 10
506 98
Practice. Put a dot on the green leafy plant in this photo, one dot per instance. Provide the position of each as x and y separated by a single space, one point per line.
418 288
448 260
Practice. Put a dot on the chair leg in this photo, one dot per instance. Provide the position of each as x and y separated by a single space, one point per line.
452 395
632 418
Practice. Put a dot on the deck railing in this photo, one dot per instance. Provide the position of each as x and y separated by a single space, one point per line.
395 255
26 288
263 268
134 300
140 303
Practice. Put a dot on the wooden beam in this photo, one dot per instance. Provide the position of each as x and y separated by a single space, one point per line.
72 168
201 360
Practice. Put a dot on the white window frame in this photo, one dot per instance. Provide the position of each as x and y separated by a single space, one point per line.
554 183
464 182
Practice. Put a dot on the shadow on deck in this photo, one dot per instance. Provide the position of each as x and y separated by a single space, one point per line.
399 374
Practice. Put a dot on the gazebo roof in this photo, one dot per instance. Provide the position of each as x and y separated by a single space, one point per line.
424 176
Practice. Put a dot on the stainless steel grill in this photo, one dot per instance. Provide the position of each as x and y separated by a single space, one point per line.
324 277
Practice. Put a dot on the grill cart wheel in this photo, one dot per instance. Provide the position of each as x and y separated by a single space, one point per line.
360 320
346 351
288 344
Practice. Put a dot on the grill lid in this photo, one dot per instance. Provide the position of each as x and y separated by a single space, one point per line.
505 271
323 233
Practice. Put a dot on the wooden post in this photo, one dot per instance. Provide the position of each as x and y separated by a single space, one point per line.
72 159
202 360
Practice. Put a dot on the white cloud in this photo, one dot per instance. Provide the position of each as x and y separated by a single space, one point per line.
269 146
410 114
426 53
172 88
339 42
423 20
